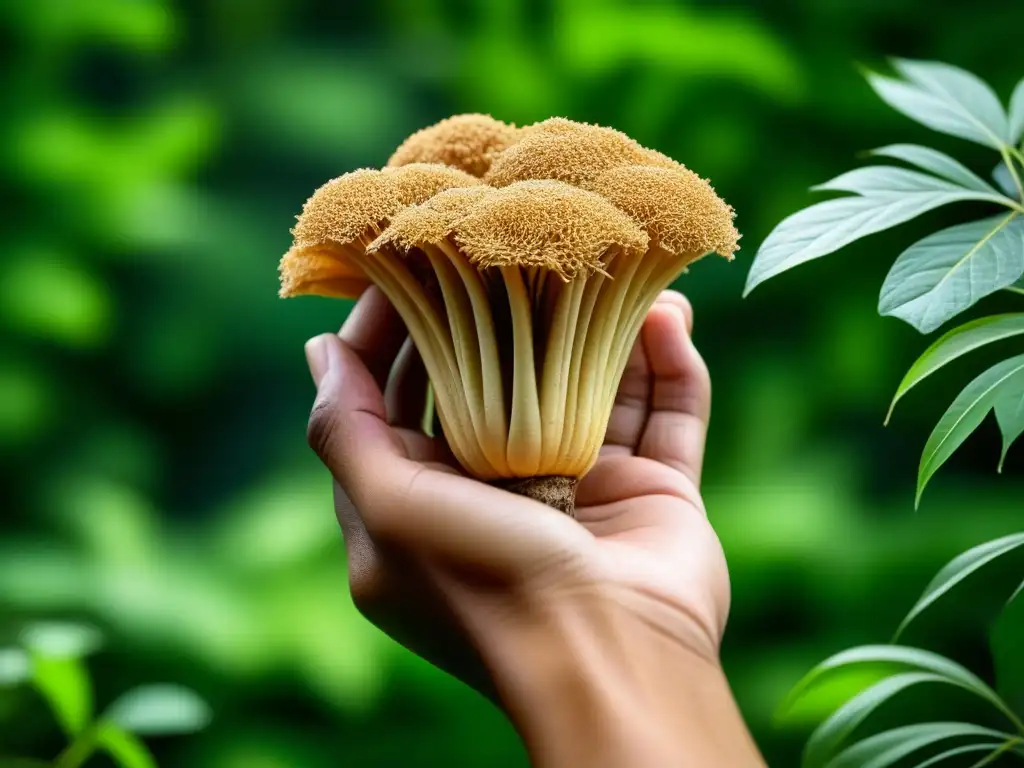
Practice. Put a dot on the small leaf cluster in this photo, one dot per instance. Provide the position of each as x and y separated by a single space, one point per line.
949 271
902 667
50 658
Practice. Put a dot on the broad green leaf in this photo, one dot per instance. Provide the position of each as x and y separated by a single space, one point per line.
1001 176
943 274
929 110
889 747
965 414
127 749
15 666
938 163
1017 113
1010 416
159 709
988 746
887 181
65 685
958 569
835 730
58 639
956 343
964 105
826 227
901 656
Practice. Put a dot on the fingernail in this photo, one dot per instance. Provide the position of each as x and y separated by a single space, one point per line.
317 358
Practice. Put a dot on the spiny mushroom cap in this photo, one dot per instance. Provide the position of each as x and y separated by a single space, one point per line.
468 142
352 209
680 210
546 224
417 182
568 151
430 222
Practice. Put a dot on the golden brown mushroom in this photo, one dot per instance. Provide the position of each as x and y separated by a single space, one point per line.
524 298
468 142
344 215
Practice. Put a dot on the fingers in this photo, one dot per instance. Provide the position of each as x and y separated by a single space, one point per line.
629 413
375 332
680 403
633 398
406 393
348 427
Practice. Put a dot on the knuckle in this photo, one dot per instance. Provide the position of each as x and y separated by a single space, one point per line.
320 428
367 584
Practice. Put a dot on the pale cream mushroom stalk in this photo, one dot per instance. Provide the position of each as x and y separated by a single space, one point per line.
344 215
521 270
524 297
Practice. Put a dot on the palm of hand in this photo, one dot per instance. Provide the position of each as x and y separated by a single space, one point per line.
641 536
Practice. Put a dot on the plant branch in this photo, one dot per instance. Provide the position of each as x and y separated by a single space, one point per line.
1005 152
79 750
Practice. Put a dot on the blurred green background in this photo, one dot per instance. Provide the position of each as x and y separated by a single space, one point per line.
153 391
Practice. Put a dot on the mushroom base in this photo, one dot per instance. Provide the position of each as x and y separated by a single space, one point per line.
554 490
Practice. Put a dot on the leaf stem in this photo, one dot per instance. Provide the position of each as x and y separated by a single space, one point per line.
1005 152
1014 289
1007 746
79 750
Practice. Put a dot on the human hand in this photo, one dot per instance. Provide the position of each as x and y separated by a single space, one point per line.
500 590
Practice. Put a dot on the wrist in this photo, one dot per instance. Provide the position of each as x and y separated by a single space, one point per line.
597 682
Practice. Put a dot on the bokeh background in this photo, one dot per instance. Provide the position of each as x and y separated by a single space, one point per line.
153 391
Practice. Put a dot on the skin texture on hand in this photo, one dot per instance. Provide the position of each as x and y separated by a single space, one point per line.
599 633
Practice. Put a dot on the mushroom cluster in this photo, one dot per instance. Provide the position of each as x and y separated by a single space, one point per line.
523 262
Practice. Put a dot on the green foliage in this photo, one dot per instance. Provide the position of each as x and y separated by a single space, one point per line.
932 281
959 569
945 273
156 477
52 661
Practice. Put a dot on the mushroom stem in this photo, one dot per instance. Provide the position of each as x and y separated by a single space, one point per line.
556 491
524 434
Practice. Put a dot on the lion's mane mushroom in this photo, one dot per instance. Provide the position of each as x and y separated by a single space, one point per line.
468 142
525 296
344 215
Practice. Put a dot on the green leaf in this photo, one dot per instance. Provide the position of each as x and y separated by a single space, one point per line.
65 685
61 639
886 181
988 746
159 710
943 274
946 99
1017 113
1001 176
901 656
889 747
1009 410
958 569
965 414
15 666
826 227
127 750
956 343
834 731
938 163
1016 592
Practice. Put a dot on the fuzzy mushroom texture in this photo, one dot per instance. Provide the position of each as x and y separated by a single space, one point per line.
541 284
344 215
525 295
568 151
467 142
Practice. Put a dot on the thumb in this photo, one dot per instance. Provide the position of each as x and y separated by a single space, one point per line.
348 427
